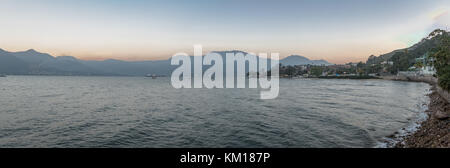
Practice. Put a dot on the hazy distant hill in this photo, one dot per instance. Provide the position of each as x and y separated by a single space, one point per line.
300 60
135 68
32 57
9 64
31 62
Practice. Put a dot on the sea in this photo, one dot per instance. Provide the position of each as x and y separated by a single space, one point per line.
129 112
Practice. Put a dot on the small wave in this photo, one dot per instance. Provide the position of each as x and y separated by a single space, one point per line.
104 109
400 135
52 95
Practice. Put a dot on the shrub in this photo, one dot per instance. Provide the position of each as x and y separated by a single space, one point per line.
441 54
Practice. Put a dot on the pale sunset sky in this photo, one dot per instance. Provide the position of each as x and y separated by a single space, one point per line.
338 31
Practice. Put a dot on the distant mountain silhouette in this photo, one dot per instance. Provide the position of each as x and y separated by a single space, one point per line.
32 62
33 57
135 68
301 60
9 64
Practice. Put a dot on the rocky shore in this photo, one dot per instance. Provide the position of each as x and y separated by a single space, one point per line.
435 131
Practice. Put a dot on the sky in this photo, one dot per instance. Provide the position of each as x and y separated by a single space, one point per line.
338 31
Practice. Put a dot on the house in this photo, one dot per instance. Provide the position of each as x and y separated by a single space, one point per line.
427 67
387 63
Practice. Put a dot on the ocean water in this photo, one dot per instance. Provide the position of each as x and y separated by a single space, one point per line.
44 111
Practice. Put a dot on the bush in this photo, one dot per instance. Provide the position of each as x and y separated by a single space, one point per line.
441 54
444 78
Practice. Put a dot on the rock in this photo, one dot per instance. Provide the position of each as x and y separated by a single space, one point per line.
440 115
434 132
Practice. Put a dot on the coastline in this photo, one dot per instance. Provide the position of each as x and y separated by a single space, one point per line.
434 132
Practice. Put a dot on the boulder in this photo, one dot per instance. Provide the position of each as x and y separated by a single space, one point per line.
440 115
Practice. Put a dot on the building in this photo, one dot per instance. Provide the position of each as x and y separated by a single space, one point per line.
427 67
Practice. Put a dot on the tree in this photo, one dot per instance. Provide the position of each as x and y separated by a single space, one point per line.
401 62
316 71
441 55
418 65
360 68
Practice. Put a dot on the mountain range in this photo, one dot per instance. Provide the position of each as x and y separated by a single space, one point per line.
32 62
